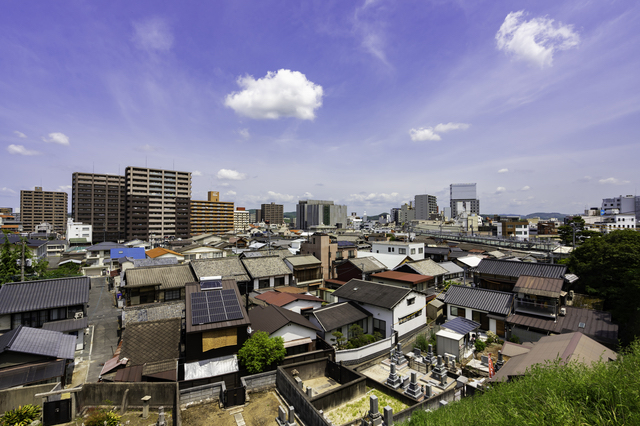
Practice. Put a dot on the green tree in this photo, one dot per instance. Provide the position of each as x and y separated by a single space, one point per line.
10 256
260 351
565 232
608 268
340 340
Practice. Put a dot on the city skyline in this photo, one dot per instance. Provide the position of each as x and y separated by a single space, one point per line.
365 104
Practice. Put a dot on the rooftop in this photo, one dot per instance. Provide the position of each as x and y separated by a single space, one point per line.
43 294
151 341
272 318
337 315
375 294
225 267
511 269
492 301
266 266
167 277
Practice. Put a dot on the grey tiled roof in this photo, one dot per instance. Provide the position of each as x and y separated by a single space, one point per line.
507 268
229 268
155 262
151 341
38 341
67 325
303 260
152 312
167 277
376 294
424 267
492 301
267 266
272 318
369 264
337 315
44 294
451 267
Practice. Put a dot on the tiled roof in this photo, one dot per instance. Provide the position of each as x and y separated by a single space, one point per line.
152 312
492 301
229 268
268 266
539 286
38 341
151 341
376 294
436 250
167 277
155 262
507 268
159 251
272 318
402 276
67 325
424 267
337 315
304 260
44 294
106 245
451 267
368 264
282 299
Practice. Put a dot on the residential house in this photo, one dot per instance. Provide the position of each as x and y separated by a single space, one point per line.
414 250
31 356
307 271
152 312
425 267
200 251
298 333
295 302
416 282
164 253
453 271
437 254
228 268
268 271
321 247
489 308
394 309
100 254
339 317
502 275
390 261
360 268
156 284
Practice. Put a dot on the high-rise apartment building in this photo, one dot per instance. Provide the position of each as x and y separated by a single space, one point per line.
157 203
425 205
211 216
406 214
274 213
318 212
240 219
40 206
624 204
465 194
99 200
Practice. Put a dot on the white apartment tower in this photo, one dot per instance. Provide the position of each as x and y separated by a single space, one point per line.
464 193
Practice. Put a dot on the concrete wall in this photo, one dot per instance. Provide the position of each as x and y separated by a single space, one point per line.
210 392
13 398
259 382
294 396
94 394
432 404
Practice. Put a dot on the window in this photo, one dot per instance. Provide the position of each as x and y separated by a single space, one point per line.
264 283
457 312
380 326
409 317
402 251
420 250
413 251
411 301
172 294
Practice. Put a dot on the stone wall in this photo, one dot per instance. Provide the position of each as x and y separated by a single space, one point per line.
294 396
13 398
259 382
210 392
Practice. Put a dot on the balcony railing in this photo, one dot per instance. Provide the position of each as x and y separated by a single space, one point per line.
544 308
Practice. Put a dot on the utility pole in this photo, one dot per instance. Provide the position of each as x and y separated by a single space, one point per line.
22 263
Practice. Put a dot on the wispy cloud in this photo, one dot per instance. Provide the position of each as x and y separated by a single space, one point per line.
146 148
503 171
244 133
500 189
21 150
534 41
377 198
7 190
59 138
230 174
431 133
368 25
196 173
613 181
283 93
230 193
64 188
152 35
19 134
444 128
525 188
280 198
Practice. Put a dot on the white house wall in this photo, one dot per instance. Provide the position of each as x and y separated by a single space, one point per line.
294 332
297 304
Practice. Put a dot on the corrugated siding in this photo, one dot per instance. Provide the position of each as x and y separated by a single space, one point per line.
497 302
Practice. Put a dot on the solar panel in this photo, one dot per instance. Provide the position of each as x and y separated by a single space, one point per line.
215 306
210 285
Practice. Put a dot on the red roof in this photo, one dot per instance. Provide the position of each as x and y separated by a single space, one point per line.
282 299
403 276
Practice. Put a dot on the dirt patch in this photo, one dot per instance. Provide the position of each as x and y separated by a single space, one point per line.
358 408
261 410
131 418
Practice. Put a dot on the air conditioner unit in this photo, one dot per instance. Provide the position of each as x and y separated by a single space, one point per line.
78 315
563 311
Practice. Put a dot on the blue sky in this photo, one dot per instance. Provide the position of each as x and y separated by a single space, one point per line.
364 103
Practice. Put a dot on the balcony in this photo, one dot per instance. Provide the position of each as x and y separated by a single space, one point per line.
542 307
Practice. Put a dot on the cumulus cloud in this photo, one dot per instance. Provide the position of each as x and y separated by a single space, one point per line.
196 173
374 198
244 133
500 189
230 193
503 170
283 93
431 133
230 174
59 138
307 195
281 198
152 34
613 181
19 134
525 188
7 190
63 188
534 41
21 150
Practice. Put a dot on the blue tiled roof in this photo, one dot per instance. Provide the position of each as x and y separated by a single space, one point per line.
461 325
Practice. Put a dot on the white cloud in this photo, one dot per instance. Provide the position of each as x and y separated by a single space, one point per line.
230 193
377 198
444 128
196 173
536 40
613 181
525 188
307 195
284 93
21 150
152 34
63 188
146 148
20 134
7 190
281 198
244 133
503 170
230 175
424 134
500 189
59 138
368 24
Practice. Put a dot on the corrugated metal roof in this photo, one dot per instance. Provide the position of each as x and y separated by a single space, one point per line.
281 299
266 266
451 267
492 301
507 268
44 294
338 315
32 373
43 342
402 276
539 286
461 325
67 325
229 268
376 294
167 277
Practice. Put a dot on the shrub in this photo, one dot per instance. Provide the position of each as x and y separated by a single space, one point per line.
102 417
21 416
260 351
480 345
515 339
491 337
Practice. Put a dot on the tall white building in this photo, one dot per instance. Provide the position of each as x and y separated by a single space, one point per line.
629 204
79 230
241 219
425 206
464 193
319 212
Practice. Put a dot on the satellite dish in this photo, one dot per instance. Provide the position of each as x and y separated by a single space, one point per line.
249 330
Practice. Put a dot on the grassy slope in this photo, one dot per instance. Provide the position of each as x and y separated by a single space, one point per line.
554 394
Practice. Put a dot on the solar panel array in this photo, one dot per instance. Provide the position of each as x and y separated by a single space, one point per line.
214 306
210 285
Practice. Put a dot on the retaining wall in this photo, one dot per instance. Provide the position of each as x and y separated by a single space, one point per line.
13 398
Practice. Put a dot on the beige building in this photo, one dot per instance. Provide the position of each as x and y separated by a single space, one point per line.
273 213
320 246
40 206
211 216
241 219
